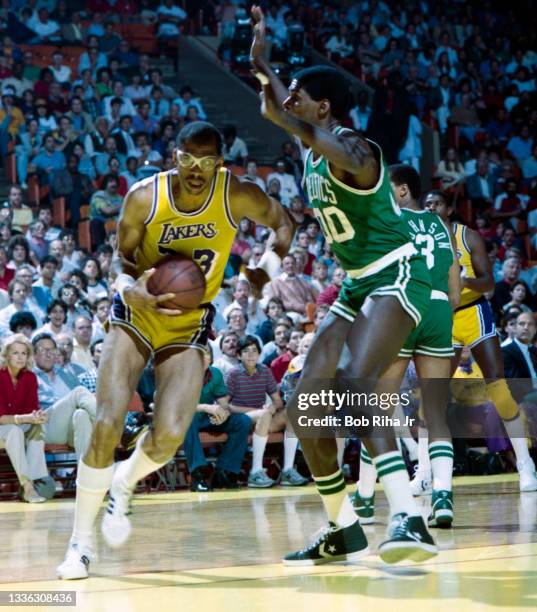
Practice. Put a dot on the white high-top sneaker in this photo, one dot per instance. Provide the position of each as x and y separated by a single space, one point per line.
422 483
528 479
76 563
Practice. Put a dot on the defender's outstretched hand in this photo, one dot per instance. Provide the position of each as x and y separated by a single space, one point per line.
257 50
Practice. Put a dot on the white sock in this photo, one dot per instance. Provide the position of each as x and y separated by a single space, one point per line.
394 478
91 487
517 434
424 463
441 454
138 465
258 450
290 443
403 432
340 443
335 499
368 474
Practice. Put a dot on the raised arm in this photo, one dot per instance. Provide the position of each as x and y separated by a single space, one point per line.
348 153
248 200
484 279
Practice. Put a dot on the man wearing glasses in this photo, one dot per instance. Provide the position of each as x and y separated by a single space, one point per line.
193 210
70 407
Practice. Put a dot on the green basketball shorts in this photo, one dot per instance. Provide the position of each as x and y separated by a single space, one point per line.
433 336
407 279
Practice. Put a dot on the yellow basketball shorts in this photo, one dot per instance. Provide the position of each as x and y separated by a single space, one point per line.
472 324
161 333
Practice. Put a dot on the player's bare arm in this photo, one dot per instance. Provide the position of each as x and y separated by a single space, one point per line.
131 228
484 279
454 275
248 200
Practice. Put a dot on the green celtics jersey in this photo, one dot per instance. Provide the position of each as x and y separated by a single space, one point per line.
363 226
431 237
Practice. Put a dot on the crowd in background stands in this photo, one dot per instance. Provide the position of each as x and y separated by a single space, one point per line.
90 131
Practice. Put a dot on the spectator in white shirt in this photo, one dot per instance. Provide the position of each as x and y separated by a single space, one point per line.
61 72
127 107
45 28
251 174
288 186
170 16
137 91
186 99
234 149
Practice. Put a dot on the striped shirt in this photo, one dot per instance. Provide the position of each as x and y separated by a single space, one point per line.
250 391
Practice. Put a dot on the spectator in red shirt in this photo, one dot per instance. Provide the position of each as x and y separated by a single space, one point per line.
21 420
330 294
280 364
6 274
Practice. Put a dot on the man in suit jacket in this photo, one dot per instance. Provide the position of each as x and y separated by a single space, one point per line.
480 186
520 358
74 33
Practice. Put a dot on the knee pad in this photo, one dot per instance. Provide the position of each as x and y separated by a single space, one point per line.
501 397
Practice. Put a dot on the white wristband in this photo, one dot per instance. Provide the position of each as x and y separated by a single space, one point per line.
271 263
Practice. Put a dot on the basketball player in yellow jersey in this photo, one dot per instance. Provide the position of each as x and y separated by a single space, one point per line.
474 327
193 210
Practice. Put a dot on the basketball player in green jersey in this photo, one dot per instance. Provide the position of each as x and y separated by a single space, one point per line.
385 295
429 344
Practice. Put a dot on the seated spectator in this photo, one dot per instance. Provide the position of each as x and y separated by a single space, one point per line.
142 121
228 347
109 42
105 205
23 323
329 295
82 332
361 112
149 160
287 181
56 320
278 347
18 294
137 91
49 161
22 214
520 357
297 208
292 375
96 286
170 17
72 257
503 288
450 170
88 379
127 107
155 79
529 168
71 409
242 298
520 146
508 328
73 32
251 174
6 274
213 414
159 107
36 241
274 189
92 60
510 204
186 99
81 121
280 364
294 292
46 286
126 56
465 116
45 119
21 420
61 72
234 149
64 354
71 297
102 158
273 311
45 216
480 186
518 295
102 310
28 145
248 385
47 30
19 254
303 243
319 276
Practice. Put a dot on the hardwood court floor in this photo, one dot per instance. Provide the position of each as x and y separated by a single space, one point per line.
221 552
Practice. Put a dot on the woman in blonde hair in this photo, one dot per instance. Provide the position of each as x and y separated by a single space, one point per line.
21 421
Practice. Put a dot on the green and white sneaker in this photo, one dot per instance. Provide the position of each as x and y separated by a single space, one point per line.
333 544
365 508
291 478
408 538
441 509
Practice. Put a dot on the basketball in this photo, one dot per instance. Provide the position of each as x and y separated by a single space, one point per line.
180 275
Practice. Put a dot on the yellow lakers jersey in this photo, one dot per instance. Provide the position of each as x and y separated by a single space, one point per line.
465 261
204 235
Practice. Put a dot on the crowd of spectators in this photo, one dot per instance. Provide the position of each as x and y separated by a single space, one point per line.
90 130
